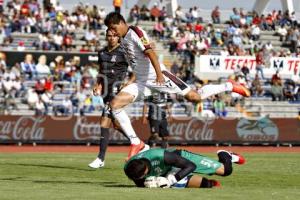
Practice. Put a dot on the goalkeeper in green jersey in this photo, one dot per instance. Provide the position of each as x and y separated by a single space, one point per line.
178 168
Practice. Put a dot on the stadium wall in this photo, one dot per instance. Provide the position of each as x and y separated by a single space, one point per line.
83 130
14 57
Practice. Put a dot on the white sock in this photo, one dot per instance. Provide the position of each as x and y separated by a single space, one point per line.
210 90
234 158
125 123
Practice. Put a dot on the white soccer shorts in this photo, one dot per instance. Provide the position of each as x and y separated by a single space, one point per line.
172 85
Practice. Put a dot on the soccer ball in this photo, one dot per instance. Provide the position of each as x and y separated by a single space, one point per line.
157 182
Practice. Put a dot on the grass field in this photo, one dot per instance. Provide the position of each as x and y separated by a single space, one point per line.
66 176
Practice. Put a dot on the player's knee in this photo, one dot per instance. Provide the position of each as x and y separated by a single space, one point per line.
193 96
114 105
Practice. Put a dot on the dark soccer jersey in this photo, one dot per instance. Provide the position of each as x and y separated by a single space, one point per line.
158 103
112 72
113 64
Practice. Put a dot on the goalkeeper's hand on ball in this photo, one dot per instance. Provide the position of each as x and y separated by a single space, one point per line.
157 182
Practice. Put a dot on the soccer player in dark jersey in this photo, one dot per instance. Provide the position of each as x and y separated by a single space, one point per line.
112 73
178 168
158 107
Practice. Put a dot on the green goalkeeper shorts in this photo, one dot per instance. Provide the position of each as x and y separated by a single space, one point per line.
204 165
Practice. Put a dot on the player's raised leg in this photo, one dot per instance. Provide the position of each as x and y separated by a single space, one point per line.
206 91
227 158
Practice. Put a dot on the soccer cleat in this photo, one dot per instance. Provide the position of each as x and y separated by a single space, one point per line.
235 158
97 163
135 149
240 89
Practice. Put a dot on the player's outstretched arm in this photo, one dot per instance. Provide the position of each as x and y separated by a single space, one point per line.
186 167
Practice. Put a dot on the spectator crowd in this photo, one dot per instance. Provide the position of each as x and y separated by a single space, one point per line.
41 82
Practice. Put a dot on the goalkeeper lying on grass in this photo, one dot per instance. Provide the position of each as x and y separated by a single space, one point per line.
176 168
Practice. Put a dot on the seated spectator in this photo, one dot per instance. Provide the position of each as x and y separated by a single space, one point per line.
144 13
39 107
260 64
159 30
2 61
68 42
40 86
97 103
49 84
276 78
219 107
32 98
87 105
154 12
217 38
215 15
163 14
195 15
235 17
45 41
21 46
282 32
68 71
268 46
277 91
135 14
90 37
42 68
17 87
270 25
290 93
64 108
7 86
28 66
59 66
237 40
179 15
256 87
75 101
293 19
245 70
255 32
58 41
198 27
207 108
85 83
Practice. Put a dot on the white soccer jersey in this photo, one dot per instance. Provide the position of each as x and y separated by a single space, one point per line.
135 43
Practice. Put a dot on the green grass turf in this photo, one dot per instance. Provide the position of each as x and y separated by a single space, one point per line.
66 176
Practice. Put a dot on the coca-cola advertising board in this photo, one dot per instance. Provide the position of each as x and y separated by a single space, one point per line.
29 129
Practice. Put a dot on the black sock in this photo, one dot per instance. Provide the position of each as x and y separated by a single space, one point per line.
104 139
205 183
225 158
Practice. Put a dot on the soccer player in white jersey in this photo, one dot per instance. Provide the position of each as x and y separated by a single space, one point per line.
150 74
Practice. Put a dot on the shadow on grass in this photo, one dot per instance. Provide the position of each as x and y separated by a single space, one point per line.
48 166
104 184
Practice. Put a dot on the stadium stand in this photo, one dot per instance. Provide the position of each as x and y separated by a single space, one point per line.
25 26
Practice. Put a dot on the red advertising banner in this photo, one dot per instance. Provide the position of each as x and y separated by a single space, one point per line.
186 130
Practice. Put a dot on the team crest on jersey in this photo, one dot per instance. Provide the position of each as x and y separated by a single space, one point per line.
144 41
114 58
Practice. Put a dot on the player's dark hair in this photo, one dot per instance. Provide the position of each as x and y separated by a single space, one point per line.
113 18
136 168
